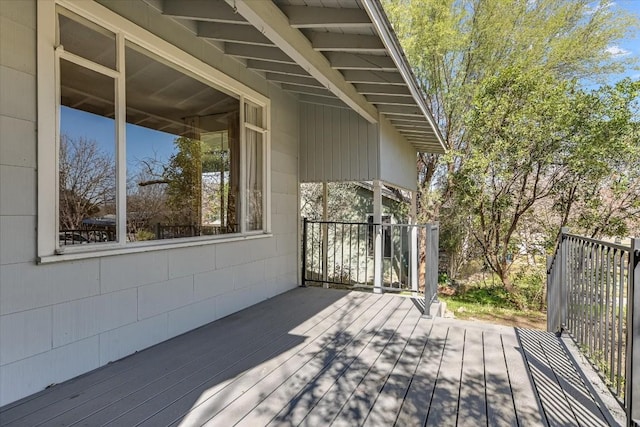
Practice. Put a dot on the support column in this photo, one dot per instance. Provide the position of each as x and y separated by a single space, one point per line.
325 234
414 254
377 229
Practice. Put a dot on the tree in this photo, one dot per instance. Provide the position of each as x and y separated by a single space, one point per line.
601 191
517 129
86 181
457 46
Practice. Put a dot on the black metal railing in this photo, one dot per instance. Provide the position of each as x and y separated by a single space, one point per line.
590 285
382 257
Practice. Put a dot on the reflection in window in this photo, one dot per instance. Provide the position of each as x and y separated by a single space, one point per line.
179 141
86 161
254 172
182 153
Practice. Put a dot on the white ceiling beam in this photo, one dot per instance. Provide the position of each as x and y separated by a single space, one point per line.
297 80
323 41
401 110
370 89
323 17
257 52
232 33
321 100
377 77
352 61
391 100
274 24
276 67
203 10
306 89
407 121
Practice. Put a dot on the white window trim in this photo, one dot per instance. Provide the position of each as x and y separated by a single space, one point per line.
48 136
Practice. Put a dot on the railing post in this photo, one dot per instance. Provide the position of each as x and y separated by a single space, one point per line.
632 375
431 269
552 300
303 276
563 280
377 245
414 253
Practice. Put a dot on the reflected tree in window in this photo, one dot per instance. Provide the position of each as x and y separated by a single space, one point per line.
87 181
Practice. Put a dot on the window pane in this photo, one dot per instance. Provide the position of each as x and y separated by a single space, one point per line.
254 180
87 39
87 168
253 114
182 153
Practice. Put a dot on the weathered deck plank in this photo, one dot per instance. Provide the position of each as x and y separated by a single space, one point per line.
387 406
500 408
316 357
417 402
473 403
267 377
444 404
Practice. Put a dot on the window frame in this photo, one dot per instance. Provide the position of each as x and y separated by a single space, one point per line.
48 135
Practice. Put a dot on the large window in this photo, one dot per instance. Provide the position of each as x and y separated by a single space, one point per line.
148 150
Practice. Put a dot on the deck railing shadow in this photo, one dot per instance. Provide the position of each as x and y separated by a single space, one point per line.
564 393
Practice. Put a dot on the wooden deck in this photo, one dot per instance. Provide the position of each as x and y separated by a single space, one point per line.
318 357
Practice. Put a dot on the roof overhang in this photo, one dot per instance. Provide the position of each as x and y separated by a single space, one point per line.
344 55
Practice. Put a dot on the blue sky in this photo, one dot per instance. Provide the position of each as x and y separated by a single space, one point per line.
630 46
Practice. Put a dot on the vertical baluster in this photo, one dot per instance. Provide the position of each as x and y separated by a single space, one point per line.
600 302
620 314
607 302
614 329
391 254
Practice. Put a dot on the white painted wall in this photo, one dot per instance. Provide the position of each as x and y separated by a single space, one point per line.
63 319
336 144
397 158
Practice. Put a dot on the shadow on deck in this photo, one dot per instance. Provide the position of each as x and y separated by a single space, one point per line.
319 357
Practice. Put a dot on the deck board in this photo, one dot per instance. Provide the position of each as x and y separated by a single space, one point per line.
444 403
234 406
326 357
473 403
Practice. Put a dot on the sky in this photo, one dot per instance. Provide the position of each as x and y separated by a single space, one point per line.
629 46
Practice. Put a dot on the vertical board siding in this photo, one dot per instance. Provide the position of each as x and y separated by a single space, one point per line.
397 157
62 319
337 144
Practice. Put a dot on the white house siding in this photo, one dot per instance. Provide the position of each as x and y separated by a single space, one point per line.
395 154
63 319
336 144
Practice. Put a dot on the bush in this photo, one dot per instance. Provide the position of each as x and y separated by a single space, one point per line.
531 290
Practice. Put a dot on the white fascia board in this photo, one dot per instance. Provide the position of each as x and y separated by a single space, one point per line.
380 22
267 18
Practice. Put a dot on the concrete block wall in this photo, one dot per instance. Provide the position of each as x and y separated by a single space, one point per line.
63 319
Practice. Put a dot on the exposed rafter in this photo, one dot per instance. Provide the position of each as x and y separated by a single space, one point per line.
257 52
370 89
400 110
297 80
276 67
308 90
323 17
321 100
391 100
345 42
279 29
377 77
202 10
353 61
232 33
